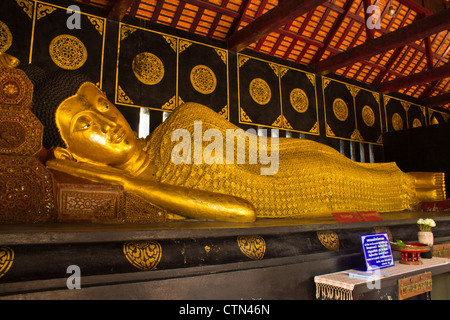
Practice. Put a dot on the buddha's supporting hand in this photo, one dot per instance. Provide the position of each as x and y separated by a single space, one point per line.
191 203
8 61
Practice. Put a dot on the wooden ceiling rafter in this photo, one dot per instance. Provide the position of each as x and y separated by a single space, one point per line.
416 78
410 33
270 21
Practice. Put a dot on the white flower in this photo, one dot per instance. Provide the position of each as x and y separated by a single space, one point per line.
420 221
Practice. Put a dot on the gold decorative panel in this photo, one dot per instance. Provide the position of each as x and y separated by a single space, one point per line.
144 255
254 247
6 260
329 239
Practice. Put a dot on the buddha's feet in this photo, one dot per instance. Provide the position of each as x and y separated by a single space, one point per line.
430 186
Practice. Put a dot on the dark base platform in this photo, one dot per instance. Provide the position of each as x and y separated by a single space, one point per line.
269 259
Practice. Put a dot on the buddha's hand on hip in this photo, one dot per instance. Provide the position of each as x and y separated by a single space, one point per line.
96 173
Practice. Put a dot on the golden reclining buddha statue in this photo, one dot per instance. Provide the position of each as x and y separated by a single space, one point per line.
93 140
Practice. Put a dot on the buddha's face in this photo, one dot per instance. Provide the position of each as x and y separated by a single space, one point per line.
93 129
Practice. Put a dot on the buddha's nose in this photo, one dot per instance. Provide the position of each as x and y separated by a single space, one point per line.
107 123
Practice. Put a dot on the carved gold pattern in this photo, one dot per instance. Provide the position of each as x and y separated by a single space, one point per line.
172 42
275 68
184 45
6 260
356 135
203 79
98 23
312 78
254 247
330 132
224 112
148 68
122 96
20 132
170 105
144 255
242 60
79 203
6 37
68 52
299 100
329 239
43 10
416 123
368 116
16 89
125 31
222 54
340 109
406 105
326 82
260 91
26 190
353 90
397 122
244 116
315 128
27 7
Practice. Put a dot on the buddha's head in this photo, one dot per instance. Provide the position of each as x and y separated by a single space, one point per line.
81 122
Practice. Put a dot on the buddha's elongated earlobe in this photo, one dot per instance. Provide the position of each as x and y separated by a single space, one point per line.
63 154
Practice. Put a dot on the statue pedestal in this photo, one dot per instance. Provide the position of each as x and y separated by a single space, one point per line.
269 259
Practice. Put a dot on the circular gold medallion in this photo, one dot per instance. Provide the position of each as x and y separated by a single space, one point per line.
368 116
260 91
68 52
148 68
416 123
5 37
340 109
299 100
203 79
397 122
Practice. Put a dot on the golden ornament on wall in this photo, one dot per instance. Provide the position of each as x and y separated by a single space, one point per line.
260 91
329 239
397 122
299 100
340 109
416 123
6 260
368 116
253 247
16 89
144 255
203 79
20 132
148 68
68 52
5 37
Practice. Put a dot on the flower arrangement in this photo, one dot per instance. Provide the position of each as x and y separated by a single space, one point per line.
426 224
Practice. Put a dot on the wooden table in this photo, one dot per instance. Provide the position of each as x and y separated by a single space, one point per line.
341 286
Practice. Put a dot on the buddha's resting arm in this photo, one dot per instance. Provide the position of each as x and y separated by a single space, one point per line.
190 203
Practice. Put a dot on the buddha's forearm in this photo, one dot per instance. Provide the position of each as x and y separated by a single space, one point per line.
192 203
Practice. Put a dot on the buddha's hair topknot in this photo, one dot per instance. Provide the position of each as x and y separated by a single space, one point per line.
50 89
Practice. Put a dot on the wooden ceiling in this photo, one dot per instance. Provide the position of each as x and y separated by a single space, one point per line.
409 52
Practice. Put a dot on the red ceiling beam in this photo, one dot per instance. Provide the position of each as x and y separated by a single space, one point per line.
442 99
284 12
416 79
337 23
417 30
118 9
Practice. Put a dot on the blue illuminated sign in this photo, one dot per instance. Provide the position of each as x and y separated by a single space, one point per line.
377 251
